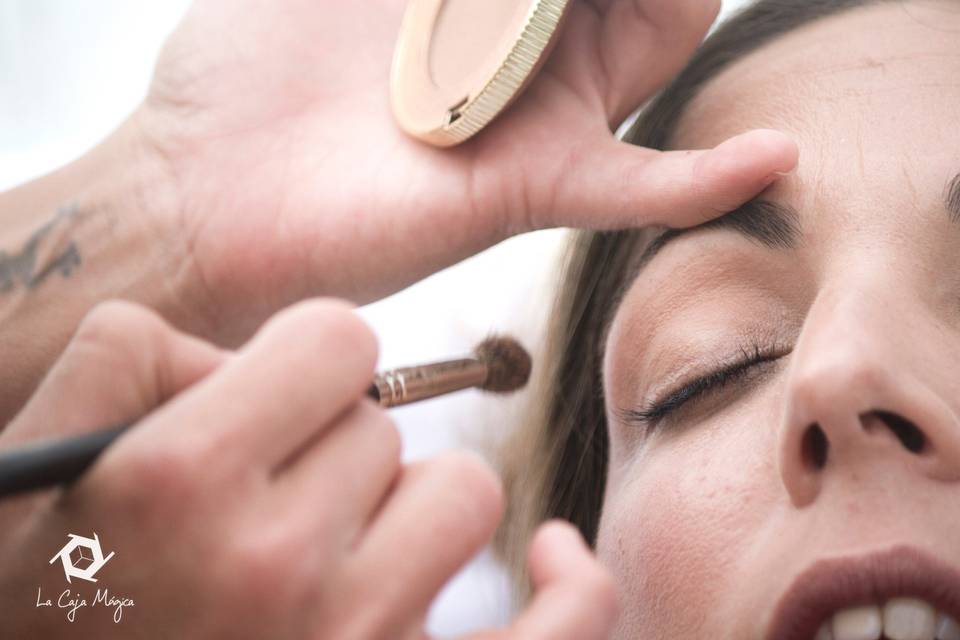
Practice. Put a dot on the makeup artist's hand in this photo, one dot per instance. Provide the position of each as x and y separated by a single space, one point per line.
262 496
291 178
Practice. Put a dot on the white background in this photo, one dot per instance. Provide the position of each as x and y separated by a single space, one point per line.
71 70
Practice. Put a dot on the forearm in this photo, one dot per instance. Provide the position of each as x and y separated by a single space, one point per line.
76 237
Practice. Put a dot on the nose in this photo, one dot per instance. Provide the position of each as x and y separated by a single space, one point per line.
860 391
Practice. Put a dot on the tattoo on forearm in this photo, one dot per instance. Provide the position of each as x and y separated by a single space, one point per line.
35 262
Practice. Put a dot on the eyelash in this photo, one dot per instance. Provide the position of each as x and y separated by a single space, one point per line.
751 355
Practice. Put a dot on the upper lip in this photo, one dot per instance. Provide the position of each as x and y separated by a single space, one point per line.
837 583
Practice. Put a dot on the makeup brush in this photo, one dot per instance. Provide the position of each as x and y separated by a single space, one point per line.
499 365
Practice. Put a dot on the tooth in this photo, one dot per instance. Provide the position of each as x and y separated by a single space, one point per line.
947 628
860 623
909 619
824 632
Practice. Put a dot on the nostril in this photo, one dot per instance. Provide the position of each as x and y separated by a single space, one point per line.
815 447
909 435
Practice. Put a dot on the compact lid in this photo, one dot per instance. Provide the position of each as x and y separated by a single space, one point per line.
459 63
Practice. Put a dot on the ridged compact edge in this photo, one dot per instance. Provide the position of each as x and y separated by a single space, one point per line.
541 24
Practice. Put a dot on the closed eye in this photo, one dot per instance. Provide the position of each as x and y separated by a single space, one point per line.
701 387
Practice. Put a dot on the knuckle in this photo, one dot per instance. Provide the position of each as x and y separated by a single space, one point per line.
124 335
117 323
335 325
167 474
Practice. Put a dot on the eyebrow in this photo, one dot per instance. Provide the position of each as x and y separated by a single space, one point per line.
772 224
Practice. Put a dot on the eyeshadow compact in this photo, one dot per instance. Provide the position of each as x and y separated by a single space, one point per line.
460 63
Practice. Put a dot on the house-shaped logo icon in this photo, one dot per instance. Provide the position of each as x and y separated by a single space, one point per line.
81 557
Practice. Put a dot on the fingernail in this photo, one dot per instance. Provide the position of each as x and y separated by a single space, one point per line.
778 175
784 174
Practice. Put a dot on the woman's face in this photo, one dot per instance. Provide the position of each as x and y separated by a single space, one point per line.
825 427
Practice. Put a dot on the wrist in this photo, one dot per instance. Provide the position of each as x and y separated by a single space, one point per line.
154 199
140 200
102 227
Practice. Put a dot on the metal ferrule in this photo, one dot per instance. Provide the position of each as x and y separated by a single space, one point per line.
409 384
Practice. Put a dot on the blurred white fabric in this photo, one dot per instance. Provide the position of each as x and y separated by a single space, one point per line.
70 71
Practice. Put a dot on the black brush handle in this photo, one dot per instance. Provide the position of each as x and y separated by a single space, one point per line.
51 462
59 461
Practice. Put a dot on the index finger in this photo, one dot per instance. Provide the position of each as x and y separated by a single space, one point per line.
308 365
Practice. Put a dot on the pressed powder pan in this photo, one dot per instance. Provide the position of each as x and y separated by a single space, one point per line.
459 63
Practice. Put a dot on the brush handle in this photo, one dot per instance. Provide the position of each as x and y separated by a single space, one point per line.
60 461
50 462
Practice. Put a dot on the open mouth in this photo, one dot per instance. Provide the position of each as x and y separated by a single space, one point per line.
900 594
901 618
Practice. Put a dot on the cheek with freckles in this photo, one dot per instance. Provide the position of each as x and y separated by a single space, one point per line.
677 526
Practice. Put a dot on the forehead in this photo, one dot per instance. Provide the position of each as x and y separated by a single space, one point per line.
869 93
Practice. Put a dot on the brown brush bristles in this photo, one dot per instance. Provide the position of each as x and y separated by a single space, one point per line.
508 364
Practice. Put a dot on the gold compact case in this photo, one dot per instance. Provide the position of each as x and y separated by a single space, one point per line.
459 63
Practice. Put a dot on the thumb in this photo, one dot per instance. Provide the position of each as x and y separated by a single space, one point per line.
574 596
631 186
122 362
